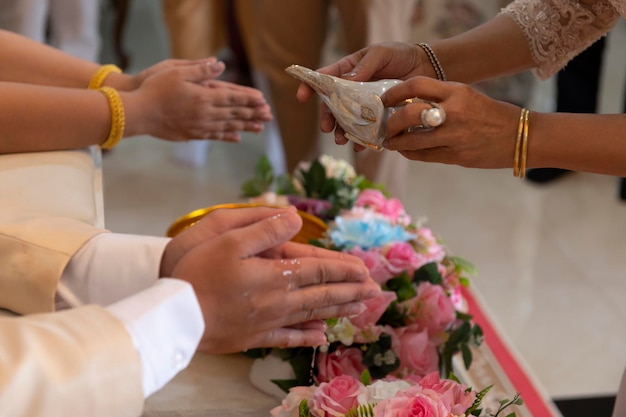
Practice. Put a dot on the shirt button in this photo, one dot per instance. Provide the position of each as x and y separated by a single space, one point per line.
179 360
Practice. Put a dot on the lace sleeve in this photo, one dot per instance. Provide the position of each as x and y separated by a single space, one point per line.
558 30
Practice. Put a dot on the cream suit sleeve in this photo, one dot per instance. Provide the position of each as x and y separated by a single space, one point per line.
34 250
78 362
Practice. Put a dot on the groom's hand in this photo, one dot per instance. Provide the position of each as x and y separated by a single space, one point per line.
210 226
257 289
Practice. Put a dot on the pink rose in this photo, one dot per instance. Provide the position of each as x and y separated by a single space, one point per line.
373 199
289 407
336 397
343 361
432 309
453 394
375 308
391 208
375 262
402 257
417 353
417 405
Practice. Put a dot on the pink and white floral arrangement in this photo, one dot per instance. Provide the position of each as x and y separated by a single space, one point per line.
406 339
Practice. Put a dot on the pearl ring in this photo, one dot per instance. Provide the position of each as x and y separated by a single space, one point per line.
430 118
433 117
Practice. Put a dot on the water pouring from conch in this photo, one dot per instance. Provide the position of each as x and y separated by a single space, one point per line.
356 105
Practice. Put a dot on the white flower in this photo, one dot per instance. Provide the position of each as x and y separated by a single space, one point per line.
382 390
344 331
337 168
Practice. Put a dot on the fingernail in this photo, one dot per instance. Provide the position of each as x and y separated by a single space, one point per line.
321 341
356 309
215 65
349 74
288 216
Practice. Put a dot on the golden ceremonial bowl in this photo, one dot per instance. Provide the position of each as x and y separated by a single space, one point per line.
312 227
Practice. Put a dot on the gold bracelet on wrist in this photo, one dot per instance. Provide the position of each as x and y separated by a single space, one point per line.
118 118
441 76
521 144
103 72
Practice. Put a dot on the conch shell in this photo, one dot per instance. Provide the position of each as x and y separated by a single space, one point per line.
357 106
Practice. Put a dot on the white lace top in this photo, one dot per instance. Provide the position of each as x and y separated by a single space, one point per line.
557 30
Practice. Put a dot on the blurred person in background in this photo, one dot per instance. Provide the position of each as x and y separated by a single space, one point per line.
201 28
72 26
278 34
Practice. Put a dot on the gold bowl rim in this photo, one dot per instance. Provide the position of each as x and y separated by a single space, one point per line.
184 222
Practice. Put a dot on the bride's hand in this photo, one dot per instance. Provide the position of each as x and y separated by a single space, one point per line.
184 102
478 131
257 289
390 60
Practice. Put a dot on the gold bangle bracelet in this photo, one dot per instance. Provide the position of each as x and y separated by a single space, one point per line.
518 142
524 145
521 144
103 72
118 118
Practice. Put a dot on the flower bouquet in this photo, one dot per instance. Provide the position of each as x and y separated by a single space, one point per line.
406 339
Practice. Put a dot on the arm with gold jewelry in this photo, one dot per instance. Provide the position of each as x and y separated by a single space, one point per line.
480 132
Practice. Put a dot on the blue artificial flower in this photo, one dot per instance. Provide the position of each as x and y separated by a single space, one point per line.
367 234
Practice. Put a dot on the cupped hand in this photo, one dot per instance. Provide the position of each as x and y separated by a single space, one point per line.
257 289
390 60
126 82
184 102
213 224
478 131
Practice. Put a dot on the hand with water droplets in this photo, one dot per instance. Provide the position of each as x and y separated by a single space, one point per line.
258 289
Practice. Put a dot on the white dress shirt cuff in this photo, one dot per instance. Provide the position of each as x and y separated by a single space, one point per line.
166 324
110 267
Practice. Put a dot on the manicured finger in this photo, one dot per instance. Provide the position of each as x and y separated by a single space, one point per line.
403 117
200 72
311 325
289 337
304 272
425 88
222 220
291 250
322 313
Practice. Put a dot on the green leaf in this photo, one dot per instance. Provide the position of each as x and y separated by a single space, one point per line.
479 398
284 185
285 384
261 181
467 355
332 321
366 377
252 188
429 273
257 353
303 409
462 266
374 352
394 316
402 286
